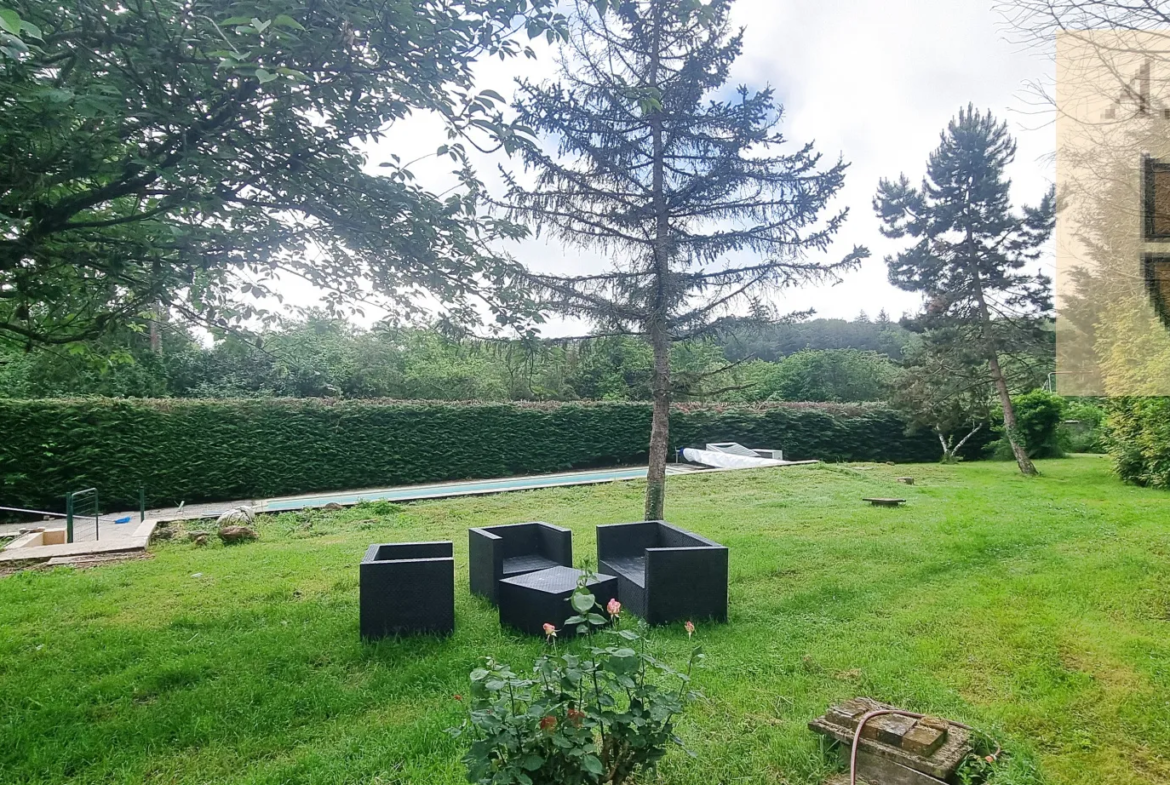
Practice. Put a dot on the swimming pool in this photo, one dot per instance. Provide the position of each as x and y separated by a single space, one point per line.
464 488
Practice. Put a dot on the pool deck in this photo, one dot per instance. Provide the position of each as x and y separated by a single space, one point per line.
127 538
136 536
441 490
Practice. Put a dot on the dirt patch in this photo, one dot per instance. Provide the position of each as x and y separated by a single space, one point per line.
99 560
13 567
83 562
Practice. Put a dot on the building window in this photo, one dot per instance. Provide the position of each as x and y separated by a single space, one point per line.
1157 273
1156 207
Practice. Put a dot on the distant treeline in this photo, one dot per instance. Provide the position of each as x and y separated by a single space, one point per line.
823 360
742 339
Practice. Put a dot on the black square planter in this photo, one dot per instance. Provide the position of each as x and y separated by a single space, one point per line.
407 587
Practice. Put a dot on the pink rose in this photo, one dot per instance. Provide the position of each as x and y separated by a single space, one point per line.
690 628
550 631
613 608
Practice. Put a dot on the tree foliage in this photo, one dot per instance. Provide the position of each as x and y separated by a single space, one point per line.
742 339
833 375
320 357
1039 415
163 156
944 386
1041 19
684 184
972 256
1139 439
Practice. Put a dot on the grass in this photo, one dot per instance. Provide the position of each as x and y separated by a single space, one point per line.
1038 610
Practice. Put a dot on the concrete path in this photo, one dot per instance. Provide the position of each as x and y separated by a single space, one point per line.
402 493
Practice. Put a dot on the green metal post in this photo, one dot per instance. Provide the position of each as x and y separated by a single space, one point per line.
141 503
97 521
69 517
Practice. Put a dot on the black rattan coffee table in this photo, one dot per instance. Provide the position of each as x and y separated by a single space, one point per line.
528 602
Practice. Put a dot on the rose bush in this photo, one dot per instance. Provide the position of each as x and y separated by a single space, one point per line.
589 718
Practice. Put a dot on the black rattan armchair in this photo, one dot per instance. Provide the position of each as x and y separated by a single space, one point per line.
664 573
497 552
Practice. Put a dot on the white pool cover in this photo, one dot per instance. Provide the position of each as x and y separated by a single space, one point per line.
725 460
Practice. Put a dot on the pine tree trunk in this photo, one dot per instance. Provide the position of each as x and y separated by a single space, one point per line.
658 318
1009 413
155 331
1009 419
659 425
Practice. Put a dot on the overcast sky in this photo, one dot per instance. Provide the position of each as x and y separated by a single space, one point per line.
873 80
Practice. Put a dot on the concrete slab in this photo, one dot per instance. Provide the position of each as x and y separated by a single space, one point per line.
135 541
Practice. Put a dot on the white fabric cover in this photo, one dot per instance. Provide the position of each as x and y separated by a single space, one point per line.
723 460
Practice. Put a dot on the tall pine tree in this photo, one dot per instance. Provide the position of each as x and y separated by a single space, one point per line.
971 251
680 180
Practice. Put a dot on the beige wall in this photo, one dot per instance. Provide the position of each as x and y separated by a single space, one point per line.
1112 110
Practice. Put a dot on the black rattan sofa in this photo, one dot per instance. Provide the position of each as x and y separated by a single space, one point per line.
497 552
664 573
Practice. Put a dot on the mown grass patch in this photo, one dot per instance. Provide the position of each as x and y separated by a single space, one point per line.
1038 610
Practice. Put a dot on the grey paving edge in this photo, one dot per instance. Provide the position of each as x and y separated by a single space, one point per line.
121 544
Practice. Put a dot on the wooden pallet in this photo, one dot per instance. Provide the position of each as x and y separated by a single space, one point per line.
877 502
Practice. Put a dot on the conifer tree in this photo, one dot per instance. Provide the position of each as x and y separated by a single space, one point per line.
971 251
687 186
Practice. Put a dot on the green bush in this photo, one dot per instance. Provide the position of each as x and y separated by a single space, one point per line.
830 375
1083 429
1038 418
1138 438
215 450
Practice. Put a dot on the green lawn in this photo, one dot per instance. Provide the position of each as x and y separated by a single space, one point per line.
1036 609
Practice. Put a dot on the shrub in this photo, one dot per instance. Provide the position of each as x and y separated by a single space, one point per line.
1038 418
595 719
1084 427
213 450
1138 438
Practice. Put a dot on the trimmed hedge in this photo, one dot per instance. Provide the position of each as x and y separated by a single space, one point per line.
215 450
1139 440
